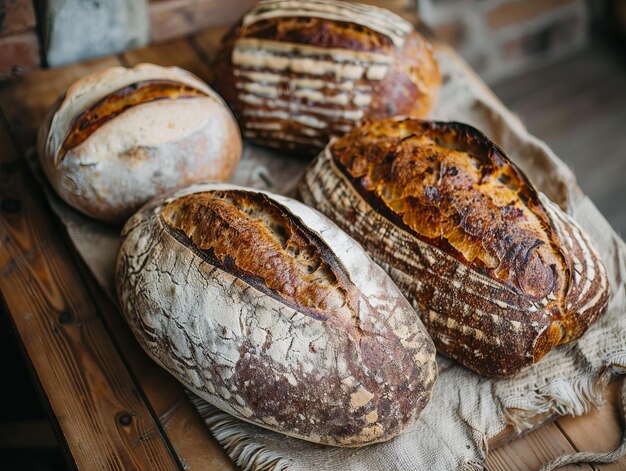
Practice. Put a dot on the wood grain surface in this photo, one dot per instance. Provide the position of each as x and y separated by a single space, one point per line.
25 103
113 407
533 450
19 53
94 398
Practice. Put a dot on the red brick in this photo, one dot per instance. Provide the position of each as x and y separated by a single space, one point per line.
453 33
16 16
516 11
18 53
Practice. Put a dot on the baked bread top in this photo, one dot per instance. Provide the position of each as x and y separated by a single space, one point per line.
92 101
451 187
121 136
501 272
296 73
254 238
265 308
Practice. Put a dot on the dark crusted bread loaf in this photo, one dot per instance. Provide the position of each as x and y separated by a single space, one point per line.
296 73
267 310
499 272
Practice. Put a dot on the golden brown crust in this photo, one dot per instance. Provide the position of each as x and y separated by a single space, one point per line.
326 77
411 85
257 240
121 100
455 190
500 273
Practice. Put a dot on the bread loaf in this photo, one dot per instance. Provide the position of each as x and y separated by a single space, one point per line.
120 136
500 274
296 73
264 308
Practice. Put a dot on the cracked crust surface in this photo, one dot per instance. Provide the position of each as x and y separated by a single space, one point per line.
450 187
500 272
251 236
321 345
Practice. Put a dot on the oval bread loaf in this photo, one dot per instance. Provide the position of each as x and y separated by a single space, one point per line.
296 73
499 272
119 137
267 310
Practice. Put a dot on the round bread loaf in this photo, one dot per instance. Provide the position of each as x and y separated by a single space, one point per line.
296 73
119 137
267 310
500 274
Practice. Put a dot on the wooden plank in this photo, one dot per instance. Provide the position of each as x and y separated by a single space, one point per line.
186 431
178 52
543 82
532 451
27 99
189 436
16 16
18 54
102 418
175 18
599 430
508 434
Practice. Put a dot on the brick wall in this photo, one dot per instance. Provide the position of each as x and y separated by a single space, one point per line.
19 44
500 38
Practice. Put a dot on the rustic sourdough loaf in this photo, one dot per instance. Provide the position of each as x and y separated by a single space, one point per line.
500 274
119 137
267 310
296 73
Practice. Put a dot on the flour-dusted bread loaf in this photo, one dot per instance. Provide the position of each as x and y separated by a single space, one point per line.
499 272
296 73
266 309
119 137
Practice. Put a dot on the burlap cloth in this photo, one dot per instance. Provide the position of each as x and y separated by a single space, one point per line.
466 409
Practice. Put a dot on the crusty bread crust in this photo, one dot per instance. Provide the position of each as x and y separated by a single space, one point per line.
119 137
110 106
253 238
501 273
294 77
320 345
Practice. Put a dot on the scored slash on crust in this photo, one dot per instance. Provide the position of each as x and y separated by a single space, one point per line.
499 275
296 73
107 108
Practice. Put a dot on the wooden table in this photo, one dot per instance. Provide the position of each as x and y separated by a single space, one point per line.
111 406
